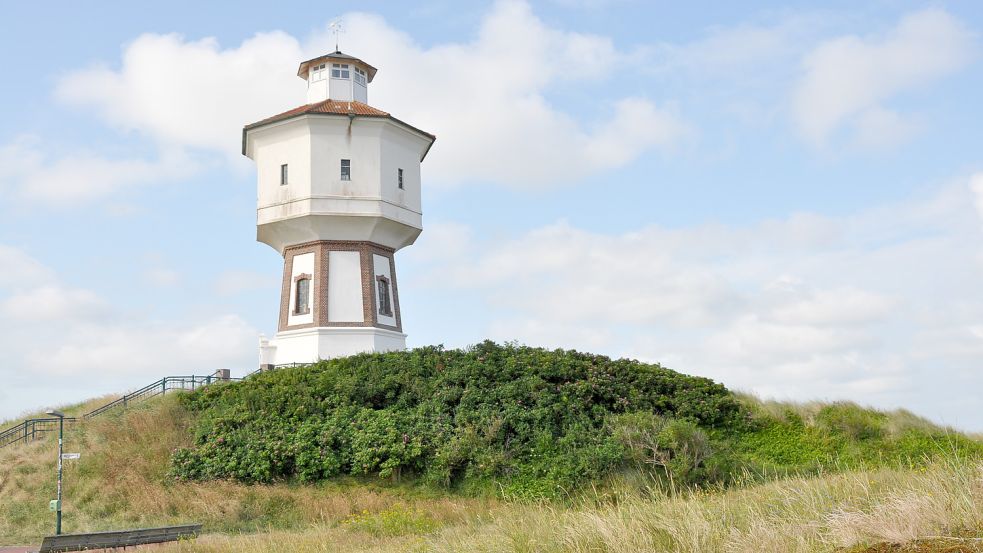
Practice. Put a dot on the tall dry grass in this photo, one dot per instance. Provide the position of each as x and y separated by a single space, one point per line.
821 514
120 482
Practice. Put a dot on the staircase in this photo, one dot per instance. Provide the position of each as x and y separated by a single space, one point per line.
32 429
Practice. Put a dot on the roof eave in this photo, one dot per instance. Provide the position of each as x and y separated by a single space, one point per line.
302 69
260 124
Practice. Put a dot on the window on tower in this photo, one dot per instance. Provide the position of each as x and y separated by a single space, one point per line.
346 169
340 71
359 76
385 304
399 178
302 299
283 174
317 72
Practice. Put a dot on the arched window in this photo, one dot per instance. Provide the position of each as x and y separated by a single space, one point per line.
302 295
385 303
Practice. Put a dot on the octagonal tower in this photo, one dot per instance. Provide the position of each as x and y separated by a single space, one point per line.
338 196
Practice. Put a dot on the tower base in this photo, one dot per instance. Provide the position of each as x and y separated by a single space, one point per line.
309 345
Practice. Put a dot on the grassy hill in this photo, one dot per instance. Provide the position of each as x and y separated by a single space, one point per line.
503 448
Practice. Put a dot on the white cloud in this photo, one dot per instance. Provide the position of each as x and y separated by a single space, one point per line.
52 303
81 176
847 79
742 51
151 349
191 93
882 129
879 306
21 270
486 99
92 346
976 187
837 306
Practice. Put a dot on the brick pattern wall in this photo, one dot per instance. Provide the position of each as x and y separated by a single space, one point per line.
319 289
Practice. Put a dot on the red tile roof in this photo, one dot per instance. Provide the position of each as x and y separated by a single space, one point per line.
328 106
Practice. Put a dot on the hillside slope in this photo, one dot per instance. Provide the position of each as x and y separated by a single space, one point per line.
806 477
121 482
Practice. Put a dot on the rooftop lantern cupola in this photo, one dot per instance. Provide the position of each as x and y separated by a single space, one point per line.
338 77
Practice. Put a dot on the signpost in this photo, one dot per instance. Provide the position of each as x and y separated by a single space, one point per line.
55 504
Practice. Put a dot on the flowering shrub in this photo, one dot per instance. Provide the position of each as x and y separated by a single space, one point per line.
534 421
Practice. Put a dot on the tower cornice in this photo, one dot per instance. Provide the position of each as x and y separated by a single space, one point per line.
352 110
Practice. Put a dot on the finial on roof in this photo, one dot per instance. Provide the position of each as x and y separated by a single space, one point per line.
336 28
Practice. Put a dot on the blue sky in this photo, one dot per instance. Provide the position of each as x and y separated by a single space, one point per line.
786 197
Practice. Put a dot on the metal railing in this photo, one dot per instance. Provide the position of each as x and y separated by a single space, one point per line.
30 430
37 428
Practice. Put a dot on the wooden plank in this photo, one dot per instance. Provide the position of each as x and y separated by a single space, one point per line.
118 538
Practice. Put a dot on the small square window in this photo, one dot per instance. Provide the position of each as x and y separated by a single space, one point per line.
346 169
340 71
400 178
283 174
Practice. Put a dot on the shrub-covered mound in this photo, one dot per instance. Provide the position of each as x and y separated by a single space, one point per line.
532 420
528 422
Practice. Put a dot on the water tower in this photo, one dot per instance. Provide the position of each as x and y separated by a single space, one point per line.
338 196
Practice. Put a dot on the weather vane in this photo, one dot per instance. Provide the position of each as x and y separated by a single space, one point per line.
337 29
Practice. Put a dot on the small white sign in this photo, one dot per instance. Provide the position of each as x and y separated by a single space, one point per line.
67 456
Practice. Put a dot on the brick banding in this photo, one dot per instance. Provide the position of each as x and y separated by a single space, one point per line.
319 290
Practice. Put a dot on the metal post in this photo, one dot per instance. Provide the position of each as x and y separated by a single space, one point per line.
61 444
61 441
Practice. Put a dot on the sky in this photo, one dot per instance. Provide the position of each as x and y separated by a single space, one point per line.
786 197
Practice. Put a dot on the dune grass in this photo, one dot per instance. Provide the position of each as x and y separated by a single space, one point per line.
842 512
121 482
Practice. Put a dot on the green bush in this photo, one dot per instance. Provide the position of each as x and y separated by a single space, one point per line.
680 448
529 420
527 423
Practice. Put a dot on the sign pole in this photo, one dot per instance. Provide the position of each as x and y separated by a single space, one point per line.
61 442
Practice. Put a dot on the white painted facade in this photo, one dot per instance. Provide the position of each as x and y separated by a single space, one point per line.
345 289
307 345
318 204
